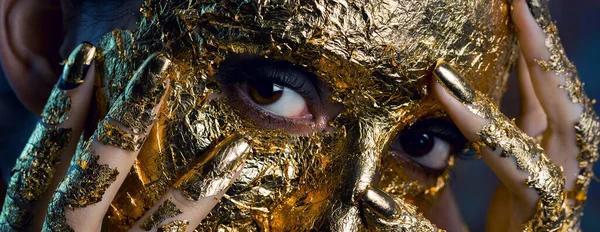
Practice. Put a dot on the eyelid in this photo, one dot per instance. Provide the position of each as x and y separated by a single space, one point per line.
443 128
235 72
283 73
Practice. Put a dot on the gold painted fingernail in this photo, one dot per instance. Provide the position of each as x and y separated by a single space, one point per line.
59 103
454 83
380 203
149 83
212 177
135 109
76 67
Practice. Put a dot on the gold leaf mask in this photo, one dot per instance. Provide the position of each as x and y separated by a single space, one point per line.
376 57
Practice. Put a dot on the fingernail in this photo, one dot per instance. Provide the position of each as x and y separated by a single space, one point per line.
149 83
454 83
76 67
214 176
380 203
135 109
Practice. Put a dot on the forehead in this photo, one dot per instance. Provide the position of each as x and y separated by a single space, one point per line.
384 48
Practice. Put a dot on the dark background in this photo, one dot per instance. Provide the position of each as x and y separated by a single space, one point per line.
472 182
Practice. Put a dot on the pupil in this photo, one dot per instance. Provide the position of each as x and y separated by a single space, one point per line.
417 144
265 93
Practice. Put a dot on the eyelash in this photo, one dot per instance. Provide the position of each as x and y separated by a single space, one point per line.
236 74
447 131
281 73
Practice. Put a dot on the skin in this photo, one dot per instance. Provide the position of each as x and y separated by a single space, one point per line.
550 112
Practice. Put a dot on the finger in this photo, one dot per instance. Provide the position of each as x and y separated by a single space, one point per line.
532 118
85 193
573 123
39 168
197 192
533 178
547 65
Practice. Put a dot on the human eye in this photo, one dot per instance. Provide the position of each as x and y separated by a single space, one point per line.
430 143
276 94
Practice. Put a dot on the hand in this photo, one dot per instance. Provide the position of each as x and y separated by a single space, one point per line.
46 191
545 188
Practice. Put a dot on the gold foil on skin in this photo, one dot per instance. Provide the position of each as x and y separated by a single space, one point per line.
501 133
14 217
32 174
135 109
175 226
84 185
380 203
59 103
34 170
113 135
166 210
544 176
210 178
375 65
407 219
587 128
75 66
454 83
56 109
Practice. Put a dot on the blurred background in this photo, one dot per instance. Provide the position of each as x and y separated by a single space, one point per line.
472 181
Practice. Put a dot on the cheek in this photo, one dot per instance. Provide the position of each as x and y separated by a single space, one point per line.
402 177
405 179
283 185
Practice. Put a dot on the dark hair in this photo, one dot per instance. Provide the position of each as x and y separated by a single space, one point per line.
88 20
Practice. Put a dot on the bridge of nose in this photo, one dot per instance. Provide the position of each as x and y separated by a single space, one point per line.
359 164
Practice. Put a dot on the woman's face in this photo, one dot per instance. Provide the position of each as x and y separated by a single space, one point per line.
331 95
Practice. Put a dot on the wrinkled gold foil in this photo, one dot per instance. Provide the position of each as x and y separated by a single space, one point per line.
134 110
166 210
395 215
59 103
113 135
502 133
175 226
587 128
376 57
544 176
32 174
208 179
55 111
83 185
34 171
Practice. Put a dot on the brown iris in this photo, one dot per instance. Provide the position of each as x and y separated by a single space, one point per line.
264 93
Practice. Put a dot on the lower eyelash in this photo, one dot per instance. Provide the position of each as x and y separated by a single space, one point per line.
253 112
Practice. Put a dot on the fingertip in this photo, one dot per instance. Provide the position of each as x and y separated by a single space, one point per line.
531 36
468 122
520 14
